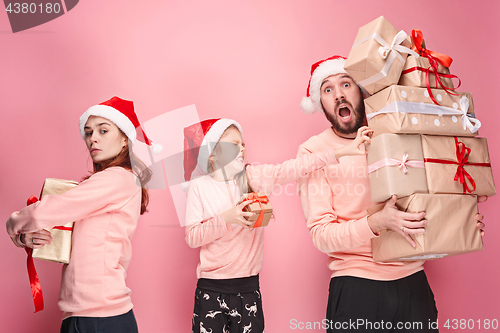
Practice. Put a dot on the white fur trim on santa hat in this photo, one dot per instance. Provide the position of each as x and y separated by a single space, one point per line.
211 138
327 68
112 114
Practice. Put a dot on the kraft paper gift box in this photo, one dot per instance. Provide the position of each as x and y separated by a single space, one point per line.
450 229
395 166
401 109
414 74
457 165
260 204
59 250
378 55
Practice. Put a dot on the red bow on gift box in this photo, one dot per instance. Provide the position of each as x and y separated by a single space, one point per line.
463 153
259 199
434 58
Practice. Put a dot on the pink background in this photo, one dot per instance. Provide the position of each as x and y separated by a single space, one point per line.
247 60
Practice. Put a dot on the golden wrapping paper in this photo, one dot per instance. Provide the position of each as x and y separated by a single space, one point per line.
417 78
256 208
387 176
440 176
402 109
59 250
450 230
371 62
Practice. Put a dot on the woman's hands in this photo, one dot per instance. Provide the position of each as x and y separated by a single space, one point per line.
237 215
36 239
352 148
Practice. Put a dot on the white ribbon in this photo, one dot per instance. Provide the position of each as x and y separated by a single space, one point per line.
388 52
468 121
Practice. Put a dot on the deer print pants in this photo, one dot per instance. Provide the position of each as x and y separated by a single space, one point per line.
228 306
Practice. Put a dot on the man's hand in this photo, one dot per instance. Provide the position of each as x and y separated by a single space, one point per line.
390 217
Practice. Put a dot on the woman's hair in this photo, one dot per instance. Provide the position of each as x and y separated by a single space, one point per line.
127 160
241 177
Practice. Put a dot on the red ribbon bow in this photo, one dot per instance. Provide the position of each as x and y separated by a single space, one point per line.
260 199
463 153
434 58
36 287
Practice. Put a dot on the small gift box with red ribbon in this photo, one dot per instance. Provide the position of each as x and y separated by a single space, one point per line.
430 70
395 166
59 250
458 165
402 109
450 229
261 207
378 55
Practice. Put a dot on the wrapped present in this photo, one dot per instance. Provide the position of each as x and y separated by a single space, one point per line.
450 230
402 109
378 55
261 207
418 71
59 250
458 165
395 166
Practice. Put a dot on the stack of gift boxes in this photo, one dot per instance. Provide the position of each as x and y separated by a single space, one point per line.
424 148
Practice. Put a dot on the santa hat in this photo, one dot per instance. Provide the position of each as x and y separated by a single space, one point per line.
319 72
199 142
122 114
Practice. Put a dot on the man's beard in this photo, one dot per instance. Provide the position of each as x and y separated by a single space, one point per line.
358 115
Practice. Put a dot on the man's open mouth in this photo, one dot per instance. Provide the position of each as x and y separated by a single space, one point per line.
345 113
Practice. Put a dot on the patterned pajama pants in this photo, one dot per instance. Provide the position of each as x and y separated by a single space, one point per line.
217 312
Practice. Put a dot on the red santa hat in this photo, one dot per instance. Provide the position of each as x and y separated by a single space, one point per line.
122 114
199 142
319 72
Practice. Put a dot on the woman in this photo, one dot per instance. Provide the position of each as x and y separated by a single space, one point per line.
105 207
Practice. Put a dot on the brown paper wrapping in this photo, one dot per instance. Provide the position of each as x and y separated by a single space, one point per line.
364 60
391 180
440 177
417 78
450 229
255 208
59 250
406 121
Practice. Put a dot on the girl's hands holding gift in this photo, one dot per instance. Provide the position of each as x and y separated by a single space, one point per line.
353 148
36 239
237 215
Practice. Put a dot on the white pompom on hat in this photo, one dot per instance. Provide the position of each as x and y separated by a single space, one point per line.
121 113
320 70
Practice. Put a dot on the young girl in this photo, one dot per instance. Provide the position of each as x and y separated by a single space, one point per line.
105 207
227 297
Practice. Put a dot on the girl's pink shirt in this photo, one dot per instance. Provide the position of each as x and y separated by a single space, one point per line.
228 250
105 208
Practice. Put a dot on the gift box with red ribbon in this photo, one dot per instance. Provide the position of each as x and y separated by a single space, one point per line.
261 207
450 230
395 166
378 55
402 109
457 165
418 72
59 250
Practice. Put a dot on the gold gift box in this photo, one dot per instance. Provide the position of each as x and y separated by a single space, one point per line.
59 250
402 109
417 78
450 230
255 207
442 164
365 64
387 164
